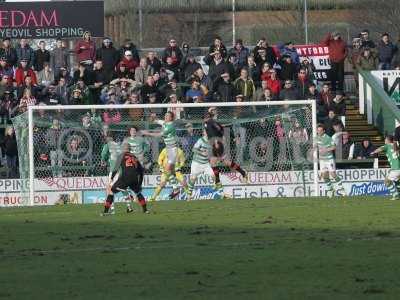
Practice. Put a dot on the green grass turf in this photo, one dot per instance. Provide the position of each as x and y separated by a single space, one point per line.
231 249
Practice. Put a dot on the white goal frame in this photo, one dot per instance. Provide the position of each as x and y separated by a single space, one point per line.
31 109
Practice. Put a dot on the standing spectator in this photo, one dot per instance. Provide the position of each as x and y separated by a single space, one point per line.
25 52
6 70
298 137
218 46
109 56
129 46
279 144
274 84
130 63
289 92
355 52
288 68
233 66
46 75
338 105
244 85
217 66
263 53
337 54
365 41
22 71
289 50
9 144
52 142
253 70
41 56
85 49
240 52
368 60
143 71
302 83
224 89
9 53
59 58
100 78
177 111
173 52
326 95
364 149
386 52
308 65
153 61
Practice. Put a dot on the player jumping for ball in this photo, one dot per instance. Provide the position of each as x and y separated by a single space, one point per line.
215 134
392 154
327 164
130 176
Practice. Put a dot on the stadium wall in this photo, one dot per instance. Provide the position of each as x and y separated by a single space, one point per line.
85 190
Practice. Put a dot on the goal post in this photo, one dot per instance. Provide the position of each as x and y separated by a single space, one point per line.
53 133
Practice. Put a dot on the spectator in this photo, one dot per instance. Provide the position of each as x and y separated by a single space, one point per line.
365 41
82 73
9 53
217 66
218 46
328 124
233 67
28 85
368 60
289 50
260 91
85 49
326 96
338 104
244 85
274 84
298 137
143 71
61 91
41 56
289 92
194 94
302 83
279 144
27 99
364 149
25 52
173 52
53 135
135 114
129 46
76 97
153 61
288 68
253 70
147 89
265 73
347 147
63 73
59 58
224 89
46 75
22 71
49 96
263 53
9 145
312 93
205 83
111 115
6 70
173 88
267 96
4 85
85 96
188 66
123 72
109 56
337 54
188 140
100 79
355 52
8 106
308 65
386 52
177 111
130 63
240 52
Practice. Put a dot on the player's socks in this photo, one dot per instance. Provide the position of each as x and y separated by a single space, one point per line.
190 187
236 167
393 190
108 204
142 202
216 175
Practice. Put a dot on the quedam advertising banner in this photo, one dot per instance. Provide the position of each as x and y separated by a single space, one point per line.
47 20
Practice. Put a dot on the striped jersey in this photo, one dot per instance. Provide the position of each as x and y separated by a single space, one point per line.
323 142
137 145
111 153
168 133
392 156
201 151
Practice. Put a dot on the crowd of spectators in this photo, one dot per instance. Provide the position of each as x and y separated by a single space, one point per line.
111 75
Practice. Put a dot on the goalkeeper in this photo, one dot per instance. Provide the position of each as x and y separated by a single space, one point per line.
392 154
167 176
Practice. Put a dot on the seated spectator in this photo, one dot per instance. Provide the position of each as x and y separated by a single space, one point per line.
6 70
289 92
364 149
49 96
147 89
9 53
5 85
26 53
46 76
240 52
171 68
288 69
131 47
218 46
27 99
267 96
338 104
61 91
308 65
22 71
130 63
289 50
174 53
83 73
253 71
365 40
76 97
135 114
274 84
312 93
173 88
265 72
329 121
368 60
302 83
123 72
153 61
42 56
345 147
244 85
224 91
386 51
205 83
233 67
28 85
85 49
188 66
194 94
259 91
326 95
143 71
85 96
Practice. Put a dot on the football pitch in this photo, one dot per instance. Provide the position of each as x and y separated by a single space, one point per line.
342 248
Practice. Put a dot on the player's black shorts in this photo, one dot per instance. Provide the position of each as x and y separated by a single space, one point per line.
218 149
133 181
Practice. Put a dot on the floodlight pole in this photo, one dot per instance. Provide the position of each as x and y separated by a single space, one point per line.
141 23
233 22
306 21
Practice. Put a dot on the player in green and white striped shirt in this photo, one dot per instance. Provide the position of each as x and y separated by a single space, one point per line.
327 164
201 161
393 177
137 144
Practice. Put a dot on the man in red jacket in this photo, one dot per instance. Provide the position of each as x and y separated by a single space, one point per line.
337 54
22 71
85 49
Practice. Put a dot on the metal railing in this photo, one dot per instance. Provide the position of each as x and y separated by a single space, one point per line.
381 111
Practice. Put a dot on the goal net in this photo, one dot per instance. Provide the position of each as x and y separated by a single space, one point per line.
69 141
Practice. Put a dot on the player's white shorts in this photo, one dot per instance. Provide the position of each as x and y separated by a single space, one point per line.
112 179
393 175
171 155
327 165
197 169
